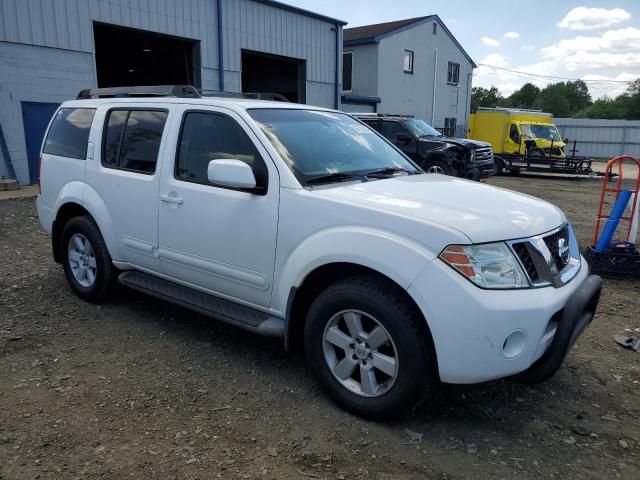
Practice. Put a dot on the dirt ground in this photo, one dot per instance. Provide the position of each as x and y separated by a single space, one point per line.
142 389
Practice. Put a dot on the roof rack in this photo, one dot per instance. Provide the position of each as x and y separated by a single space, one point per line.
382 115
276 97
178 91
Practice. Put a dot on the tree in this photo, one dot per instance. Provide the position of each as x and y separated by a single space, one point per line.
602 108
485 97
553 99
528 96
578 95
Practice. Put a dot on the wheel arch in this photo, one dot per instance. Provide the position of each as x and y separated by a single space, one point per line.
301 297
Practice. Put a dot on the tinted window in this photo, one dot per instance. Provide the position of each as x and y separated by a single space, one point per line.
69 133
391 129
132 139
513 134
206 137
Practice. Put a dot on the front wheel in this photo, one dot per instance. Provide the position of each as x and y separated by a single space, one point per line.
369 348
437 166
498 166
86 260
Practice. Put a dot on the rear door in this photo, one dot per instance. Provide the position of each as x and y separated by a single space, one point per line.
391 129
215 238
125 176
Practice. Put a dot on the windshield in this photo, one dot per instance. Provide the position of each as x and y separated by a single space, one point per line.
547 132
420 128
317 143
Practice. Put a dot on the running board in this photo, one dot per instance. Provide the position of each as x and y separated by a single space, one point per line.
229 312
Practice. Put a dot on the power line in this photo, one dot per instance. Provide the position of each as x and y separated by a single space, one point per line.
551 77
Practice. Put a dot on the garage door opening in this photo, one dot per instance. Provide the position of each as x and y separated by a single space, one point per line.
126 56
264 73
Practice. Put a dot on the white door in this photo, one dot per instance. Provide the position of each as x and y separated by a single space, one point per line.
125 174
216 238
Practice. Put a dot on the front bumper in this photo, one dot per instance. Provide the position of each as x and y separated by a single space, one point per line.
477 171
482 335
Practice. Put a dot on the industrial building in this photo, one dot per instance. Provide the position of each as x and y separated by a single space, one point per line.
50 50
411 67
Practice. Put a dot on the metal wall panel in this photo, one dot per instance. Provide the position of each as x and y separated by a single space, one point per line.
601 138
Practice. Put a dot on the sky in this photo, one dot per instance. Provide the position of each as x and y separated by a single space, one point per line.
597 41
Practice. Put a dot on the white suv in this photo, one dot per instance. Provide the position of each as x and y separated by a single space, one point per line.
303 223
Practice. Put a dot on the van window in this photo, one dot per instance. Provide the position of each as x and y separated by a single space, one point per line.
69 133
210 136
132 139
513 133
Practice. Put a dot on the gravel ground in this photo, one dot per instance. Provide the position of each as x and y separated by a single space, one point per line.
142 389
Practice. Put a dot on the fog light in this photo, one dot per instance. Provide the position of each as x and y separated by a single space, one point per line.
514 344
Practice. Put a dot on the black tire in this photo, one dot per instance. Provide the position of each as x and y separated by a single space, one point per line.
498 166
105 273
416 376
437 166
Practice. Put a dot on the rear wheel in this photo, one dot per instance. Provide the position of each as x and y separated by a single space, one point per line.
369 348
86 260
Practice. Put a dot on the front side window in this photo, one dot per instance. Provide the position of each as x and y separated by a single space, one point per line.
391 130
347 71
132 139
210 136
408 61
318 143
453 73
69 133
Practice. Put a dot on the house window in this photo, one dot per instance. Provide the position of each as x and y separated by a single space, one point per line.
450 126
408 61
435 28
347 71
453 73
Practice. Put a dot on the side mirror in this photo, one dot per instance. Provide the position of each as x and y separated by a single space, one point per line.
403 138
231 173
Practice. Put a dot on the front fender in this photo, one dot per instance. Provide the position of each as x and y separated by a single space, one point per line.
397 258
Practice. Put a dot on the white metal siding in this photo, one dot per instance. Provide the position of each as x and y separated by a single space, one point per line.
601 138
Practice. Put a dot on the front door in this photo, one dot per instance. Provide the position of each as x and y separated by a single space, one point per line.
215 238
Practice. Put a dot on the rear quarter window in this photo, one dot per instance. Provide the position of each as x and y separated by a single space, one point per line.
69 133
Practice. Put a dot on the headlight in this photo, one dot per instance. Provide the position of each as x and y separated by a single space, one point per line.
490 265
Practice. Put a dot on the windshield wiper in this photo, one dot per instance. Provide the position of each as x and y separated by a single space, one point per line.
331 177
383 172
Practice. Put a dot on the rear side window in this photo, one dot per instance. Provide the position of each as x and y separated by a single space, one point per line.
132 139
69 133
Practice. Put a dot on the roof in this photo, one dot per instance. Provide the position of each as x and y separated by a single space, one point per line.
374 33
229 102
367 31
301 11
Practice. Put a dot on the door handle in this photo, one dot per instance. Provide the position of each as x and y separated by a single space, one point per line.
170 199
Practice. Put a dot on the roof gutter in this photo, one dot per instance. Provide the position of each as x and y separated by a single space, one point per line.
337 85
220 48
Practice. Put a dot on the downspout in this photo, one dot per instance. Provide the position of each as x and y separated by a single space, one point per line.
220 48
5 155
435 78
467 110
338 50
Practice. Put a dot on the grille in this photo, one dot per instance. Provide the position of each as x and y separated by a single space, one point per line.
526 260
553 242
484 153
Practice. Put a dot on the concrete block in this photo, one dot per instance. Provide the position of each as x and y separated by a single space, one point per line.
8 184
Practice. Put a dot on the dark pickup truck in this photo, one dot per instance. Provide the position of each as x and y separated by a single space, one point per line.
431 150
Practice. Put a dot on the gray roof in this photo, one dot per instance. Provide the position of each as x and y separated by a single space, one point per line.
301 11
374 33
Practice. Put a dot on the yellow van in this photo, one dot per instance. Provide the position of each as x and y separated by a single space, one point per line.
517 131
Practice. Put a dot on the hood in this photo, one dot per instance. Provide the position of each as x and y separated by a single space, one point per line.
481 212
461 142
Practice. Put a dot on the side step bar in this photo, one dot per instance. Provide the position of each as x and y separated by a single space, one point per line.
229 312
